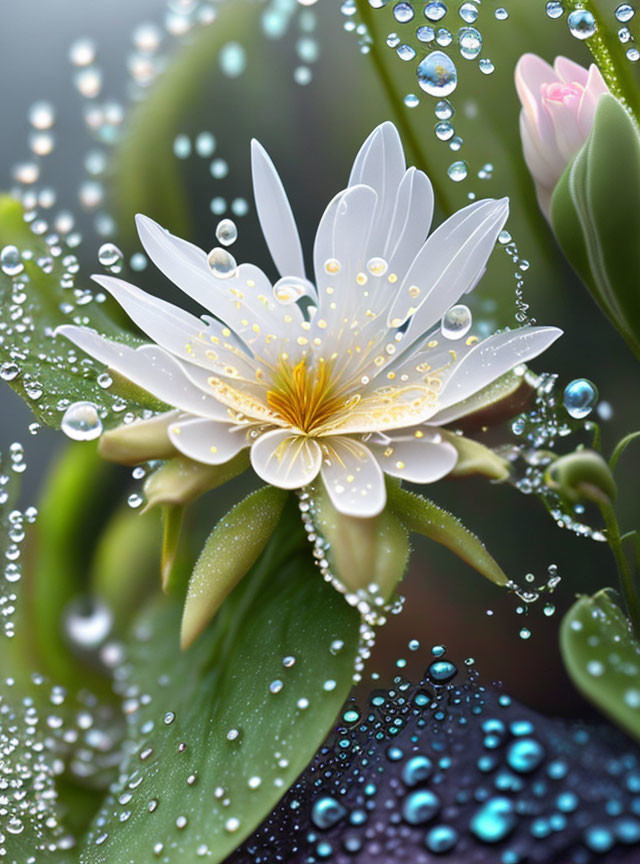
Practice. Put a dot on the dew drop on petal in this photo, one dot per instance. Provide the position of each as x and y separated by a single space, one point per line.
81 422
456 322
221 263
437 74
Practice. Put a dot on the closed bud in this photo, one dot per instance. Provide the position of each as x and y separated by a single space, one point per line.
582 476
140 441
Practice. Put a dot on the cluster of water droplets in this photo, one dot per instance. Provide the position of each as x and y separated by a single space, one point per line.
538 430
372 607
583 24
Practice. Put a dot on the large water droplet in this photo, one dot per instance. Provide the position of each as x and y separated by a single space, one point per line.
403 12
458 171
87 622
327 812
469 42
289 289
222 263
81 422
456 323
420 806
624 12
110 256
494 821
437 74
582 23
580 398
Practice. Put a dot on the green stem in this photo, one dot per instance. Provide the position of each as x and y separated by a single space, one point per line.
621 446
606 51
627 584
412 140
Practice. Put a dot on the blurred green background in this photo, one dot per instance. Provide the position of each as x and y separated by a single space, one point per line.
312 132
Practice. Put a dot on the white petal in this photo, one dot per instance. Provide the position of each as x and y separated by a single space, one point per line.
353 478
286 460
414 456
150 368
411 221
207 441
243 301
275 215
447 265
486 362
323 243
208 344
380 165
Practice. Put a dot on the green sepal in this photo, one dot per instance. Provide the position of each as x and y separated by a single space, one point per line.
362 552
596 219
602 658
181 480
475 458
424 517
229 553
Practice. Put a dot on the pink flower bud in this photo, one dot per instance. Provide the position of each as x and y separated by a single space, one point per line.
558 107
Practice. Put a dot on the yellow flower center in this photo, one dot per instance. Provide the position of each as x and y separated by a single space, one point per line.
305 396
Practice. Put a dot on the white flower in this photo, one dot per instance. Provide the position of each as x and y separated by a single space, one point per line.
357 383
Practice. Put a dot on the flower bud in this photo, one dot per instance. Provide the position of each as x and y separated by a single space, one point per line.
181 480
133 443
475 458
558 107
362 552
582 476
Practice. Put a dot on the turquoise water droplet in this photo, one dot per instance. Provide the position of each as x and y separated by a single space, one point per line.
327 812
494 821
233 59
442 671
582 23
525 755
420 806
456 322
441 838
81 422
437 74
417 770
205 144
182 146
580 398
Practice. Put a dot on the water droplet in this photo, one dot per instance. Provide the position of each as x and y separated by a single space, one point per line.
501 14
41 115
205 144
82 52
486 66
276 686
554 9
470 42
403 12
580 398
582 23
458 171
182 146
233 59
289 289
81 422
437 74
327 812
442 671
525 633
11 261
405 52
435 10
441 838
525 755
494 821
87 622
111 257
456 323
425 33
444 130
624 12
222 263
417 770
226 232
420 806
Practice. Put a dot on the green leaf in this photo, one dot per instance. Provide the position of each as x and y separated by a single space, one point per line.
230 551
425 517
594 215
283 608
362 552
603 658
35 364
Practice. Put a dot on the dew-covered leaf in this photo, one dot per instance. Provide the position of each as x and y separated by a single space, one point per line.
224 728
603 658
424 517
48 372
